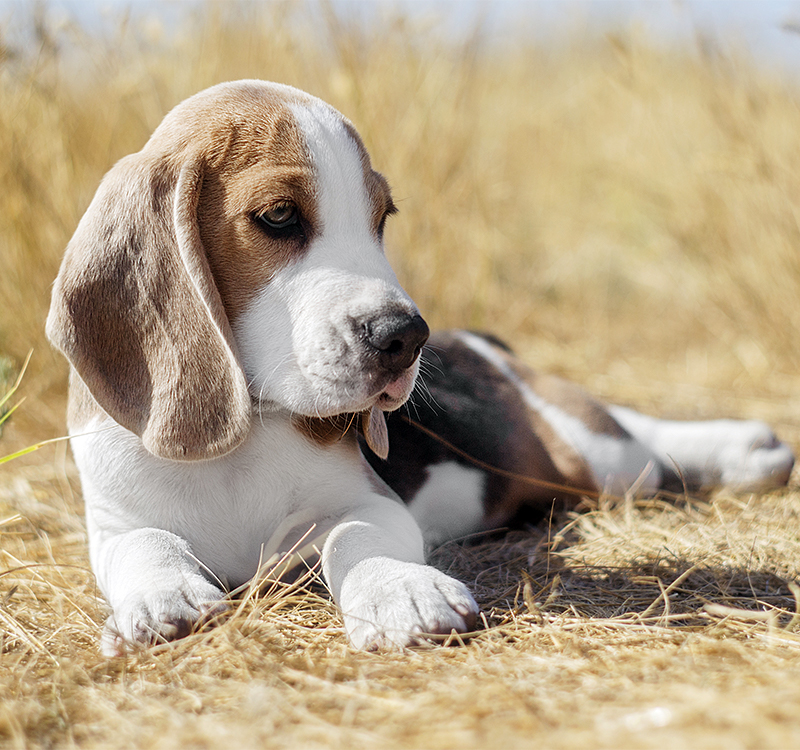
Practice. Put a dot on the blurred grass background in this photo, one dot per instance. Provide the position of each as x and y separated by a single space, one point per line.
625 212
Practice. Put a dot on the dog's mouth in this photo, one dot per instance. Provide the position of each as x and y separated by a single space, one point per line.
396 392
391 346
392 396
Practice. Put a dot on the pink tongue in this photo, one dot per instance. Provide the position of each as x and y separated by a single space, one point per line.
397 388
373 423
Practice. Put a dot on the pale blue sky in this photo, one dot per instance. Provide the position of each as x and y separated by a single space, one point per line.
760 25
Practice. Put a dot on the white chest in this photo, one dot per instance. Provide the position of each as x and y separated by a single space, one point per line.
235 510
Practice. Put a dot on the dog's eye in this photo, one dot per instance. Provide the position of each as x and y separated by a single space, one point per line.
282 216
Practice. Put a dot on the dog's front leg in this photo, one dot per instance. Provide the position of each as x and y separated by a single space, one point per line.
374 563
155 587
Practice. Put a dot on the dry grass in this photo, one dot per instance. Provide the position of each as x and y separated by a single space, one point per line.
626 214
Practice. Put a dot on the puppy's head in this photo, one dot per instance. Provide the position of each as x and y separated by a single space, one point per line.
238 257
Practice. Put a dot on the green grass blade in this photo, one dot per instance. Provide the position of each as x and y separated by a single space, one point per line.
31 449
5 415
16 385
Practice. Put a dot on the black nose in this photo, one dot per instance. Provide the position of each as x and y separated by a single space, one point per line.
397 339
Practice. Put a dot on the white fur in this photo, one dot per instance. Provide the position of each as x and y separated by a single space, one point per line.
450 503
297 340
168 538
167 544
741 455
615 464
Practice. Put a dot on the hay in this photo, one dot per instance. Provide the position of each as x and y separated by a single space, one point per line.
642 623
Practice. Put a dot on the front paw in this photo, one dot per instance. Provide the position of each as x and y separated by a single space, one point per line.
390 604
160 615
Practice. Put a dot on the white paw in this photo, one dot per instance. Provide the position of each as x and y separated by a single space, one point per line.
753 458
160 615
390 604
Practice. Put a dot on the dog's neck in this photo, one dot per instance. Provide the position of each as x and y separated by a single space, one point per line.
327 430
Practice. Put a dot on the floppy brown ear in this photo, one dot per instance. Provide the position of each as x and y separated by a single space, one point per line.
136 311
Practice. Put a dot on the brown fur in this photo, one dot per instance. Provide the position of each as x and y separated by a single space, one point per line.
327 431
262 162
537 436
532 449
150 340
165 256
570 398
573 400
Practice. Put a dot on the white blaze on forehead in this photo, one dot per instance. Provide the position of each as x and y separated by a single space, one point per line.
343 199
301 338
343 203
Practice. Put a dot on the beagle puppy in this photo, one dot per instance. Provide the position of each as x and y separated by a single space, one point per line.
234 329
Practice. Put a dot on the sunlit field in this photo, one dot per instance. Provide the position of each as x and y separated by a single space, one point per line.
623 213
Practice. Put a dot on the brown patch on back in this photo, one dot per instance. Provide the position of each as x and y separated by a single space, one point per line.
540 435
568 397
547 468
573 400
574 471
576 477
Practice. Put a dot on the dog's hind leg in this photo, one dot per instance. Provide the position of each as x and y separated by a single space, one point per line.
743 455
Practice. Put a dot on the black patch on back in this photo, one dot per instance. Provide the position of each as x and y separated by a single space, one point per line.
467 403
